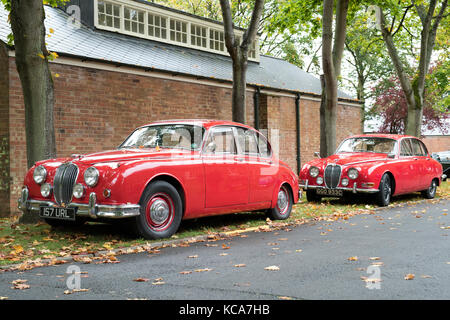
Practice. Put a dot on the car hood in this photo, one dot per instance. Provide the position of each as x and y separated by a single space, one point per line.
350 158
132 154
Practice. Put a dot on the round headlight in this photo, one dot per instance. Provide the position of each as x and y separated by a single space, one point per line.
313 172
39 174
78 191
91 176
319 180
46 189
344 182
352 173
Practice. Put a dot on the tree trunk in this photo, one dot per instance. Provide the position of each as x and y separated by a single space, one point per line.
27 24
239 88
239 55
331 65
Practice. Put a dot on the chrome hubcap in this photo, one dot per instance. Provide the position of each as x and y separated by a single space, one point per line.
159 211
282 201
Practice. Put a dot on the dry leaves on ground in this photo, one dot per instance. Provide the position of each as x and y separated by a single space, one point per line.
272 268
409 276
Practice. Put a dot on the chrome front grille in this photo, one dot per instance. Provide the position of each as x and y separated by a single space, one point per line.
332 175
65 178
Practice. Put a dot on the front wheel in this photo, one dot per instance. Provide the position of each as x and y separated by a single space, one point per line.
431 191
161 211
385 191
284 204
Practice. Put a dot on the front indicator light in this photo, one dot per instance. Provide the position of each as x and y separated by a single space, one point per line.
368 185
319 180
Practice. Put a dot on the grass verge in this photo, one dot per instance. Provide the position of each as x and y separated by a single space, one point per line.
39 242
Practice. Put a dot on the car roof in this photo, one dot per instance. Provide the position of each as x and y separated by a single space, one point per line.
206 123
383 135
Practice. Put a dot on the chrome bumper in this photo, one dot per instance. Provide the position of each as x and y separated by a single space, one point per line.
354 189
92 210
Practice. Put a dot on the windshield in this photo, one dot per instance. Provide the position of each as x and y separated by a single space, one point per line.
173 136
368 144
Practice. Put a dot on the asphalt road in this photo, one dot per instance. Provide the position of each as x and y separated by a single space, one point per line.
313 262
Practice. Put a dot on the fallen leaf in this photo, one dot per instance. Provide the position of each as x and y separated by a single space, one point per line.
185 272
240 265
285 298
193 257
425 276
225 247
355 258
202 270
141 280
272 268
409 276
374 258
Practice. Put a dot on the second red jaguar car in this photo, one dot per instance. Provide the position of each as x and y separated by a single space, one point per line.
162 173
380 164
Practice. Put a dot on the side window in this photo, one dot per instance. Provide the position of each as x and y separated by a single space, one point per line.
424 148
405 148
247 141
264 147
221 140
417 148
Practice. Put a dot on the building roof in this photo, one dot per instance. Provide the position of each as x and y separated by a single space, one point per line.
111 47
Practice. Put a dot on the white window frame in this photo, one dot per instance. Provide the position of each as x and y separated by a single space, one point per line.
169 15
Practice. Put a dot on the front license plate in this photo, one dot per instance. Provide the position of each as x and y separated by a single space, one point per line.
57 213
330 192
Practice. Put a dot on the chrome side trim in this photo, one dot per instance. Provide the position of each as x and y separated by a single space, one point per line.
86 210
354 189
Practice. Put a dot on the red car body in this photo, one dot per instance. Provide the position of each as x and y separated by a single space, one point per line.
208 183
408 167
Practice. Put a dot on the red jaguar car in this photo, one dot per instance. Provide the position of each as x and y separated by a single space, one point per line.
162 173
380 164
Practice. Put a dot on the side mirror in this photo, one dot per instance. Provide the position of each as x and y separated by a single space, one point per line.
317 154
211 147
391 155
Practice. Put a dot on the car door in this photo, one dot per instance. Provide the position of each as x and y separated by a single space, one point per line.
421 157
409 173
261 177
226 171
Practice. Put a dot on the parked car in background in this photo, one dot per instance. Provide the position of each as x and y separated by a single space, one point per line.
443 158
162 173
379 164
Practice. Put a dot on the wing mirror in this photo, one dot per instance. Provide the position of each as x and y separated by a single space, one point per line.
317 154
391 155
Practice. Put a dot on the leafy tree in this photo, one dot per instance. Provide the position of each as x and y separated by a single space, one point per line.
332 51
392 107
31 57
430 14
365 56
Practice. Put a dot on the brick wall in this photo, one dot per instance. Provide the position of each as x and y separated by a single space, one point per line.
4 133
437 143
96 109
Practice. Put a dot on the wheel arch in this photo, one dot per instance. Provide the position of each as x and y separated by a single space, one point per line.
174 182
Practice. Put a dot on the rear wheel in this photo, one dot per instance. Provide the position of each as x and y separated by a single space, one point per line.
284 204
385 193
161 211
431 191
